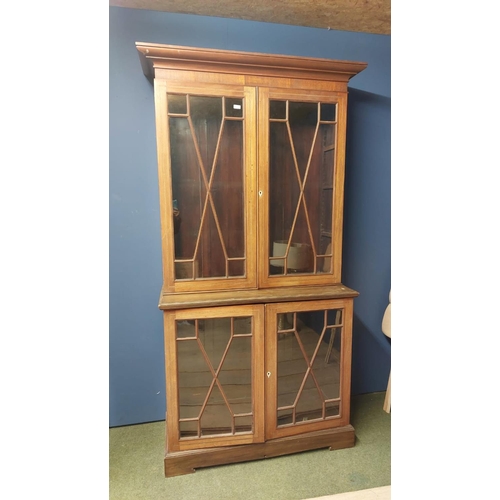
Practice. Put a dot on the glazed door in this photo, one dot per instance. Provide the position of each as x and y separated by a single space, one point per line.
207 169
308 364
301 177
215 376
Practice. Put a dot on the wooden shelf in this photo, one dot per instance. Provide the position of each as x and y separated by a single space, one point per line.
254 296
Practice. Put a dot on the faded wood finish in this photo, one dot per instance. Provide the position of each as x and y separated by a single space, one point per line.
169 301
187 462
229 190
201 78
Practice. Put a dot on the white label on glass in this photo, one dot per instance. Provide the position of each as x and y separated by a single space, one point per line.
236 106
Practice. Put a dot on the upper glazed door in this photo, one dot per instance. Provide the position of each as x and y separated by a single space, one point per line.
301 178
207 171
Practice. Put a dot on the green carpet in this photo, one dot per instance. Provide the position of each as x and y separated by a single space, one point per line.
136 465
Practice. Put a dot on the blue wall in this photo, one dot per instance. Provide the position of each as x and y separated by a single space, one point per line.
136 365
367 234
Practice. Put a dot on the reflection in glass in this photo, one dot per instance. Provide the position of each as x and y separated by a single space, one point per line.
302 161
177 104
309 360
214 376
310 403
234 107
207 162
216 417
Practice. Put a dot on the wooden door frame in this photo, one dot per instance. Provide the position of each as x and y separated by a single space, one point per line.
174 442
309 95
271 380
248 94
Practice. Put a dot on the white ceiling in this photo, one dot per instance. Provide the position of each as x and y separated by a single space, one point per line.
367 16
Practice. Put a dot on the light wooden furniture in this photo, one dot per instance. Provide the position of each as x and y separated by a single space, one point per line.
258 325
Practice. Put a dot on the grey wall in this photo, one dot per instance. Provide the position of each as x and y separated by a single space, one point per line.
136 365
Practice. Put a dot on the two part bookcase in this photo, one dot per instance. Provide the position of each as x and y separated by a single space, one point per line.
257 323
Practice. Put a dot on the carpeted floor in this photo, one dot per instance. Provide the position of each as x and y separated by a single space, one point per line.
136 465
380 493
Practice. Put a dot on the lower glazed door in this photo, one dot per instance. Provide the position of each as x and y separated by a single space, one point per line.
308 365
215 376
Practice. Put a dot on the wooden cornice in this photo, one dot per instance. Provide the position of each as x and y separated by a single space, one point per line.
158 56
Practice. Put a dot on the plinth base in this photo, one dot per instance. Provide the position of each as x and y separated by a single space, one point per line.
186 462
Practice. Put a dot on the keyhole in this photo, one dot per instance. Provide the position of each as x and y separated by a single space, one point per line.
268 374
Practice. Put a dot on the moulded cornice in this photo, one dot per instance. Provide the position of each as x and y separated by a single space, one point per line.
158 56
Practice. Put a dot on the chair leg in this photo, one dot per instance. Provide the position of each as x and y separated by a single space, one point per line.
387 402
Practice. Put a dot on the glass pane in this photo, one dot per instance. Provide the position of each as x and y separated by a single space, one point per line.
215 335
243 424
207 160
186 329
307 323
277 110
292 369
215 376
328 112
237 267
303 119
216 417
177 104
227 195
302 161
242 326
210 253
187 187
332 409
194 379
283 195
310 403
188 429
309 361
206 118
234 107
327 364
187 269
285 417
236 375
